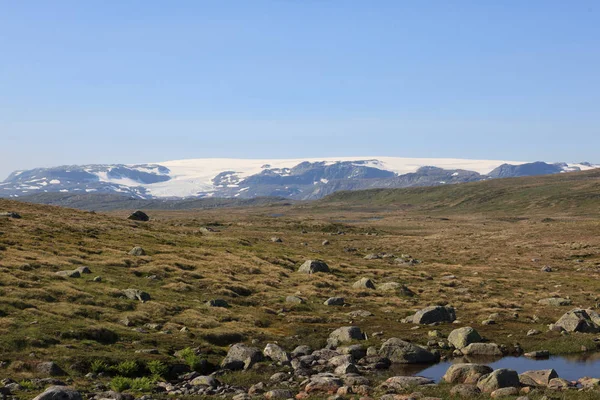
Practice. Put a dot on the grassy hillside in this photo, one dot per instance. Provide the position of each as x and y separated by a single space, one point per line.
577 193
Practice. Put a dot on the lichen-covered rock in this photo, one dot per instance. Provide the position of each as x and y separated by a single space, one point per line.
466 373
577 320
313 266
482 349
241 356
402 352
59 393
277 354
136 294
498 379
537 377
434 314
345 334
364 283
462 337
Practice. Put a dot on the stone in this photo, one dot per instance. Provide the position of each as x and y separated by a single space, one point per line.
401 383
295 300
559 384
345 334
538 354
466 373
555 301
69 274
313 266
277 354
498 379
466 391
279 394
482 349
204 380
577 320
217 303
364 283
59 393
83 270
434 314
136 294
462 337
325 383
137 251
10 214
325 243
49 368
537 377
276 239
402 352
301 350
139 216
347 368
359 314
334 301
533 332
241 356
504 392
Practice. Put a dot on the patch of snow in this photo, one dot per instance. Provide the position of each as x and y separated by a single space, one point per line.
55 182
455 174
323 180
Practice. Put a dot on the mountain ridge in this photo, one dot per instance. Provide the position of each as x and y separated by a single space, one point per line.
295 179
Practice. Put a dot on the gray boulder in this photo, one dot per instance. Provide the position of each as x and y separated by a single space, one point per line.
434 314
313 266
334 301
482 349
555 301
537 377
401 383
205 380
364 283
137 251
498 379
402 352
241 356
462 337
139 216
277 354
49 368
466 373
345 334
59 393
295 300
69 274
577 320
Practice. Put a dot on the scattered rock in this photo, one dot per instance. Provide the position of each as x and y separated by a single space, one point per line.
10 214
241 356
401 383
326 383
555 301
498 379
83 270
577 320
136 294
466 391
279 394
466 373
139 216
276 239
313 266
402 352
217 303
345 334
295 300
69 274
137 251
49 368
277 354
434 314
59 393
364 283
538 354
334 301
504 392
538 377
482 349
205 380
462 337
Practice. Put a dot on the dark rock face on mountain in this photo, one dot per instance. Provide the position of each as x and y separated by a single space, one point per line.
530 169
303 181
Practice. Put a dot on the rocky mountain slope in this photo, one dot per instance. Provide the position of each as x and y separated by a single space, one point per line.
292 179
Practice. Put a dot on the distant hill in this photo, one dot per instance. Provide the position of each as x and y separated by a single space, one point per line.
575 192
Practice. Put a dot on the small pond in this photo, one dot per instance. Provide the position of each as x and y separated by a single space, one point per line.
570 367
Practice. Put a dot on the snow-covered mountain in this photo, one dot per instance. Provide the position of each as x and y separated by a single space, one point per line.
248 178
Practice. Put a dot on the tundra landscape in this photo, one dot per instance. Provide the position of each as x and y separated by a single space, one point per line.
352 296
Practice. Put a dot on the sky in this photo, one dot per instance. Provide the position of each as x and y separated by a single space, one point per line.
147 81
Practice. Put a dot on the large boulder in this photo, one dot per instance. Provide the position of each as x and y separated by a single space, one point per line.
241 356
466 373
364 283
59 393
345 334
313 266
577 320
49 368
498 379
482 349
462 337
434 314
402 352
538 377
139 216
277 354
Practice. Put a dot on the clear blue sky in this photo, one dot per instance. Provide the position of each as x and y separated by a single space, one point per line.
139 81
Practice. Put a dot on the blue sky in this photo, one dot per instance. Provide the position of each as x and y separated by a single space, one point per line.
143 81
